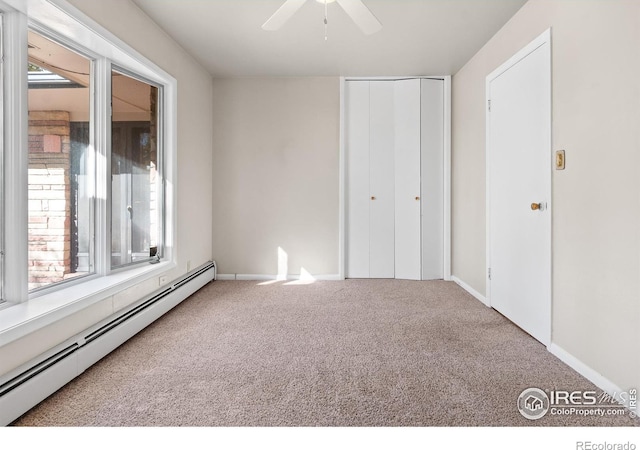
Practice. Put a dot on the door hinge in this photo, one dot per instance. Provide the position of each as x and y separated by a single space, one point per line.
489 273
489 105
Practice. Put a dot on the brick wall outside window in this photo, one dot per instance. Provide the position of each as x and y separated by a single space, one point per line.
49 198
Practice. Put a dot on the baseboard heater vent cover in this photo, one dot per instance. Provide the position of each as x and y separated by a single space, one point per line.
33 385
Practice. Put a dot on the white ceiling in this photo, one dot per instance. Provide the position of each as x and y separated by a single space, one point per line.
419 37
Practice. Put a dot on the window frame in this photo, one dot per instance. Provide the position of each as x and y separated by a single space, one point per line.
2 243
66 25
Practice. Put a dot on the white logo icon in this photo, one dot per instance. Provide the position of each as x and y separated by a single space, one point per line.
533 403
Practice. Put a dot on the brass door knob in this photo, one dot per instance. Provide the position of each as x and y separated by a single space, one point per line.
536 206
417 198
372 197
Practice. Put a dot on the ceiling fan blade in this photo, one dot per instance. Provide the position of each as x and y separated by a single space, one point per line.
361 15
283 14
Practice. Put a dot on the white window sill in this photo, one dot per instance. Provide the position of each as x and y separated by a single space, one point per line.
19 320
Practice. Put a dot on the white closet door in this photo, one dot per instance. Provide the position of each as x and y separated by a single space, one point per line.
407 179
381 181
432 98
358 198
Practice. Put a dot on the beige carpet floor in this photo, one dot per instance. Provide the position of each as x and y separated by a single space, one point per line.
352 353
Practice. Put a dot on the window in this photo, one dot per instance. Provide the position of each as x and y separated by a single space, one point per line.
60 175
135 189
87 160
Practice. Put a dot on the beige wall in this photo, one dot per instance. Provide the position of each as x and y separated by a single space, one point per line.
276 174
194 198
596 200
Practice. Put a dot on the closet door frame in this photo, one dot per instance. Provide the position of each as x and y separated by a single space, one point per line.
446 171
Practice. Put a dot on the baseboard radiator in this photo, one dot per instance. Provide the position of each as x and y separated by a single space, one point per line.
35 384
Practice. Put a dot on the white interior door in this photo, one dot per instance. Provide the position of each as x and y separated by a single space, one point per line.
381 181
519 189
407 179
357 186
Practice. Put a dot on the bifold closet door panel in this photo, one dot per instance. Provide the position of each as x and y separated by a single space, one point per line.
432 98
407 179
381 180
357 160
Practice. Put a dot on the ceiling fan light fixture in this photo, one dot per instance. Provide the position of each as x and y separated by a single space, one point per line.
359 13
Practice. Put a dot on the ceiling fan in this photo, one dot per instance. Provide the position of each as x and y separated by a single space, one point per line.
355 9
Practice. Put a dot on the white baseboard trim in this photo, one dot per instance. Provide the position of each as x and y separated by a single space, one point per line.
261 277
255 277
329 277
594 376
470 290
226 276
590 374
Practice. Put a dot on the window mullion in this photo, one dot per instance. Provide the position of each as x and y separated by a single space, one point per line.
102 148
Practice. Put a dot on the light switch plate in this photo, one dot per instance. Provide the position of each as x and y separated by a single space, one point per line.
560 160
